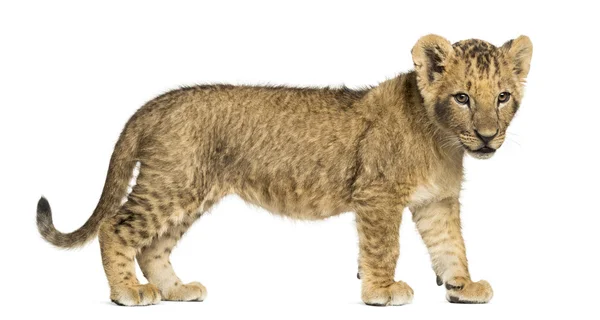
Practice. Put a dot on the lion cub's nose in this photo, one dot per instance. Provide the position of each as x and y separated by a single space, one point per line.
486 136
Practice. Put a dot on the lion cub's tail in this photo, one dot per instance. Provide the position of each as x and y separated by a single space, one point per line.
120 171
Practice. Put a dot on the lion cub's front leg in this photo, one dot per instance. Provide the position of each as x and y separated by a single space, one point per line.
378 232
439 226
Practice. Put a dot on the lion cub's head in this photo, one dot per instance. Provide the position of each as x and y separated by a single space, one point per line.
472 89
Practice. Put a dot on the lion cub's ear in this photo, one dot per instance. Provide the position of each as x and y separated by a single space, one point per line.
430 56
520 51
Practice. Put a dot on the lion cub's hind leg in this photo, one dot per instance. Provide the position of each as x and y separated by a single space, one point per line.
155 264
148 225
120 237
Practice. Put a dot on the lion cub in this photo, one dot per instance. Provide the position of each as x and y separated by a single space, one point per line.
309 153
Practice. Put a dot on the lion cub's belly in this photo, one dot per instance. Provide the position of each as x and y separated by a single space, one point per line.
296 203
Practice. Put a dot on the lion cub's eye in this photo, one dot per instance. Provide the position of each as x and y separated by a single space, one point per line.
503 97
461 98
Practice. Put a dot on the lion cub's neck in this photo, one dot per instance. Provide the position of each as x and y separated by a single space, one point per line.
400 101
424 152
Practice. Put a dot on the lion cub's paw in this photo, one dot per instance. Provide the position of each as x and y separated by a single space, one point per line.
193 291
461 290
137 295
397 294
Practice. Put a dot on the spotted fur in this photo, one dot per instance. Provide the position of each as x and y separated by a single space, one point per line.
307 153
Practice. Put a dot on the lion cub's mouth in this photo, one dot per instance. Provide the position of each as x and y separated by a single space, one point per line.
485 149
482 153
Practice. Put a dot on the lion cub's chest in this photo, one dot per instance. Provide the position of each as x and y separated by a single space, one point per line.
436 189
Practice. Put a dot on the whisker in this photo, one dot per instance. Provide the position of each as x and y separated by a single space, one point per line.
512 134
513 140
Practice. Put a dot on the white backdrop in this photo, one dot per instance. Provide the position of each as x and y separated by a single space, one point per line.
72 73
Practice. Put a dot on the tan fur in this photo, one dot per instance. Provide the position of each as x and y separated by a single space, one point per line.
309 153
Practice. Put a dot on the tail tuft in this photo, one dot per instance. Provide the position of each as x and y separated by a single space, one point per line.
43 209
44 218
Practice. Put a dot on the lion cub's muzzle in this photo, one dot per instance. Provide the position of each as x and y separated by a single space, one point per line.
483 144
